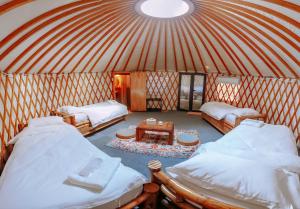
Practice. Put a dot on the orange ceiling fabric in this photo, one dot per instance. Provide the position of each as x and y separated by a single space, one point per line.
243 37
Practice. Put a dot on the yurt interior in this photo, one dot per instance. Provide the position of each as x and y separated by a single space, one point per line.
149 104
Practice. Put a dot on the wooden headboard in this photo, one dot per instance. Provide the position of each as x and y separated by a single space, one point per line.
7 149
3 156
67 117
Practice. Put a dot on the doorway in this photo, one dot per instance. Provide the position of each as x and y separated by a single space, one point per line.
191 91
121 88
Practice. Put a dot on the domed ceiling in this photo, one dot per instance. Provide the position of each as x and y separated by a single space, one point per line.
244 37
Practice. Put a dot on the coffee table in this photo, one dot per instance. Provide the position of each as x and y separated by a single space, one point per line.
166 127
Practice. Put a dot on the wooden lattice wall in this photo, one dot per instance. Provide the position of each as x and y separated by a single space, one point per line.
28 96
163 85
279 98
23 97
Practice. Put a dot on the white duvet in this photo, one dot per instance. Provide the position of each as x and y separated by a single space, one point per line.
36 172
221 110
256 165
98 113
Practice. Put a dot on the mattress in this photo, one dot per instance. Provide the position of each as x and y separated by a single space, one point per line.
122 200
100 115
217 196
97 113
270 145
54 152
82 117
217 110
221 110
119 192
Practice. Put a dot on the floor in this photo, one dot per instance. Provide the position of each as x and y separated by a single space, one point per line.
139 161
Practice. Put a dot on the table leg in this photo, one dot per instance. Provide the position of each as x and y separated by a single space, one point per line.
171 137
139 134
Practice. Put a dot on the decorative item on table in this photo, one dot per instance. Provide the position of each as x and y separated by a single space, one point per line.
151 121
160 123
150 145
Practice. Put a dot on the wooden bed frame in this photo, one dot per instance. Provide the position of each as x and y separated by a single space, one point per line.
147 199
224 126
173 192
85 127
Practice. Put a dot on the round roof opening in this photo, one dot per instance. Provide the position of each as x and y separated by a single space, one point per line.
164 8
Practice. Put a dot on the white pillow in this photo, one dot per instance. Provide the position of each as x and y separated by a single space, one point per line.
68 109
35 125
254 123
240 179
45 121
112 102
268 138
244 111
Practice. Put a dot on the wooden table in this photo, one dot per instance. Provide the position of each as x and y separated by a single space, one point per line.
166 127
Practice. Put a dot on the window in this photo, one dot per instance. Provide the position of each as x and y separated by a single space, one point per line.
164 8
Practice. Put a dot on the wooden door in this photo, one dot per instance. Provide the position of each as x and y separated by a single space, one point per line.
138 81
122 88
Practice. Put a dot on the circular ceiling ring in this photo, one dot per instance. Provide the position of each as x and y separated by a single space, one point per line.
166 9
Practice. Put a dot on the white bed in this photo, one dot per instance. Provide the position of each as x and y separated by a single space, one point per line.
225 117
270 149
221 110
42 159
98 113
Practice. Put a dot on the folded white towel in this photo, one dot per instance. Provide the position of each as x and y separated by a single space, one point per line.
254 123
96 174
90 167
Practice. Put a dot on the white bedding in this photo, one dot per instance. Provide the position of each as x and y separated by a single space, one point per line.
81 117
270 146
36 172
97 113
217 196
221 110
230 118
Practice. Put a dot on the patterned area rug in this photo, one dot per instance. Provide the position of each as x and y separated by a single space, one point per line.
153 144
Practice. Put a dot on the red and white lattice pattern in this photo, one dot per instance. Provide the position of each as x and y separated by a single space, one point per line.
278 98
24 97
163 85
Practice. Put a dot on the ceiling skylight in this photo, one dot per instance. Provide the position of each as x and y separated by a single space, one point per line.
164 8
